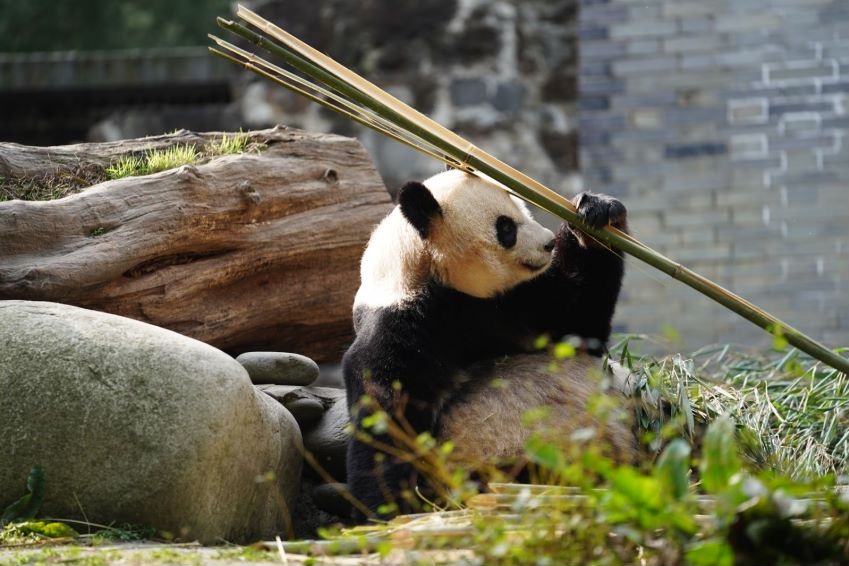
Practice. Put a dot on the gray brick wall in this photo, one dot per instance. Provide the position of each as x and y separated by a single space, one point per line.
723 126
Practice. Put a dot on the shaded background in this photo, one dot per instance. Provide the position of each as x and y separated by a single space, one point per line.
721 124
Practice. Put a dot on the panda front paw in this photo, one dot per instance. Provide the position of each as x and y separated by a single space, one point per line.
600 210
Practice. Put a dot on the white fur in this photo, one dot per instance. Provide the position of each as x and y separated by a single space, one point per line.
462 249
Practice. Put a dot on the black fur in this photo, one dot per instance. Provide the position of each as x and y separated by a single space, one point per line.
426 344
506 231
577 294
418 206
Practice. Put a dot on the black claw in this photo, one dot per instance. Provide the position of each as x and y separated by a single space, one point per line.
599 210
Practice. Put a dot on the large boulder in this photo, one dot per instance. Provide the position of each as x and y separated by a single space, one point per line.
134 423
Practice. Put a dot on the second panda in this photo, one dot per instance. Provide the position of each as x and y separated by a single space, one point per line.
458 274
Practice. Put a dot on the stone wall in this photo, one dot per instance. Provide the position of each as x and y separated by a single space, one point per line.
503 74
722 124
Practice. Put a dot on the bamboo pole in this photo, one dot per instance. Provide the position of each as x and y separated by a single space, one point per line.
439 142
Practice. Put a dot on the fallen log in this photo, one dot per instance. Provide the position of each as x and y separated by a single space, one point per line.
255 251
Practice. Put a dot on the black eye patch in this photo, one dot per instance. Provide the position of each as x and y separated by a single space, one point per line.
505 229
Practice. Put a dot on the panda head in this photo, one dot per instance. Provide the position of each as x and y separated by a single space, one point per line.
466 233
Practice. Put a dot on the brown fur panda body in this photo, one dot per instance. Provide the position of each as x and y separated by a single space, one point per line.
489 424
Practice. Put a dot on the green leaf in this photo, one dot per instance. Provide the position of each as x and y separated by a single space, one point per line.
27 506
640 491
779 342
720 460
687 411
710 553
670 333
672 468
541 342
564 350
544 454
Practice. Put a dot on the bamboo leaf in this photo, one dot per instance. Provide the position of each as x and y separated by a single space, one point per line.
710 553
673 467
720 459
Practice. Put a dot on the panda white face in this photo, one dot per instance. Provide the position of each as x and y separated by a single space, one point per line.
467 233
482 241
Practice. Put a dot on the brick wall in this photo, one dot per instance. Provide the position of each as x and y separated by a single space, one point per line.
723 126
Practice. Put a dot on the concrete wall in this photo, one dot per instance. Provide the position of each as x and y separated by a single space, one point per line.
722 124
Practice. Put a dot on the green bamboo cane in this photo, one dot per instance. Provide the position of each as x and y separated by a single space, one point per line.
556 204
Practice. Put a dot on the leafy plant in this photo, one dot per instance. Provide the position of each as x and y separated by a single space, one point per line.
27 506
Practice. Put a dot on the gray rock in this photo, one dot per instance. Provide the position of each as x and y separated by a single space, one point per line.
307 404
306 410
509 97
333 498
468 92
278 392
308 517
330 375
327 439
279 368
134 423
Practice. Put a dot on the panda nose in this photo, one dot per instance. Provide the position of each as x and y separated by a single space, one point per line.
549 246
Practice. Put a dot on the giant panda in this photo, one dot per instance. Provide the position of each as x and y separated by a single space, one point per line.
458 275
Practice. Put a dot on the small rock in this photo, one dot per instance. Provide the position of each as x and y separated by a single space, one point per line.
279 368
330 376
333 498
308 518
277 392
307 404
327 439
305 410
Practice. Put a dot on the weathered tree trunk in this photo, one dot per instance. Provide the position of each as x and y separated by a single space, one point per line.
247 252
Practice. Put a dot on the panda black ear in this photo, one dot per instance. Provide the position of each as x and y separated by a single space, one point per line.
418 206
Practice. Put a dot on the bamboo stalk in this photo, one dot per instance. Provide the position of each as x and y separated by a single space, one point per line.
434 139
491 501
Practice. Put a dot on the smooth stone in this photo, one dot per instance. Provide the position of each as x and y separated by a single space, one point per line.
305 410
279 368
331 498
327 440
137 424
330 376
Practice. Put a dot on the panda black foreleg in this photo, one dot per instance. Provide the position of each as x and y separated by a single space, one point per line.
588 281
382 472
590 270
378 480
577 295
